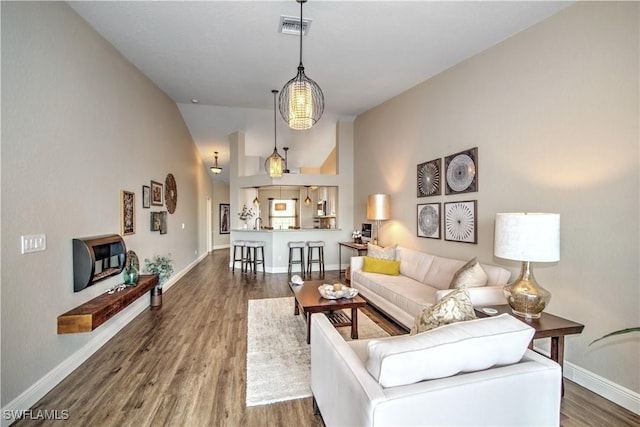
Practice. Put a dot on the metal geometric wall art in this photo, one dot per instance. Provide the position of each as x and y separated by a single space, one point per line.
428 220
462 172
429 178
460 221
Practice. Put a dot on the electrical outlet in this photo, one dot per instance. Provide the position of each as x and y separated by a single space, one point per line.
33 243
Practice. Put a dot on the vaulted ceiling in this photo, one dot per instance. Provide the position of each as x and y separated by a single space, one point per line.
230 54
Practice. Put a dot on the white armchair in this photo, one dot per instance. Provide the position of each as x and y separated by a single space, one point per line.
347 394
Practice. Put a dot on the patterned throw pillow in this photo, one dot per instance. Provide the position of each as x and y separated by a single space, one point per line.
375 251
470 275
453 308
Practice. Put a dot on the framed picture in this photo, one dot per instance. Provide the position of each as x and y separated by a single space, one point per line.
163 222
462 172
225 219
127 213
156 193
428 178
146 196
460 222
428 220
155 221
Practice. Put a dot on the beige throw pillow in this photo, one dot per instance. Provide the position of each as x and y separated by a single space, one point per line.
375 251
470 275
454 307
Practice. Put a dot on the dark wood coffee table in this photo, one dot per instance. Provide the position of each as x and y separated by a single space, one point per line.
309 300
547 326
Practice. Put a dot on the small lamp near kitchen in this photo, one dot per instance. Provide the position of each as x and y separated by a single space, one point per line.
378 209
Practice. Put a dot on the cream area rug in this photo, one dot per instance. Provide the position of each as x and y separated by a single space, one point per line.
278 356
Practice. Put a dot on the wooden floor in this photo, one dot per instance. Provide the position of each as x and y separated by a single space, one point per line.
184 365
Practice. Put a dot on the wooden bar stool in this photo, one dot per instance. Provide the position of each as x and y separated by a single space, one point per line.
252 255
319 245
292 247
239 244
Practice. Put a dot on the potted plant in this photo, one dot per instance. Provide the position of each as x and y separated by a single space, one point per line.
356 236
163 267
244 215
620 332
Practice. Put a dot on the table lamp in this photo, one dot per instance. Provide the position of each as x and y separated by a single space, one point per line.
527 237
378 209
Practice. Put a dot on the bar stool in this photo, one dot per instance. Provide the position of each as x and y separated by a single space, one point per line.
239 244
319 245
293 246
252 254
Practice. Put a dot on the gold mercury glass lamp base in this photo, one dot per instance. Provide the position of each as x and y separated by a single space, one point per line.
525 296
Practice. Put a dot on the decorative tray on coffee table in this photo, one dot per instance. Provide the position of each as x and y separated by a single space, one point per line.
329 292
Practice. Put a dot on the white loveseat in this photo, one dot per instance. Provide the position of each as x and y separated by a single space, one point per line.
424 279
346 393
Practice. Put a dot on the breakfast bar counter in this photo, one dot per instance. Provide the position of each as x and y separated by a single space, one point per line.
276 251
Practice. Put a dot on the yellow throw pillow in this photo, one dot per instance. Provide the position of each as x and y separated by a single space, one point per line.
374 265
455 307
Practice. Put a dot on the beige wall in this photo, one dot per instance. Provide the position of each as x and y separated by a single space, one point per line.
79 124
554 114
220 195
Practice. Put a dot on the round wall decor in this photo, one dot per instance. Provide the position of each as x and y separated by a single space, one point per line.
429 178
170 193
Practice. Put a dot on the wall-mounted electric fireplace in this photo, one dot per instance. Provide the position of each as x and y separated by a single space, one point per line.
96 258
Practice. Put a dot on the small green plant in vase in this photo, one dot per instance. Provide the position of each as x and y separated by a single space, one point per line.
245 214
160 265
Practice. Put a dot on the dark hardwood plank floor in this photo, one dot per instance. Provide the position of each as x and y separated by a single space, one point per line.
184 365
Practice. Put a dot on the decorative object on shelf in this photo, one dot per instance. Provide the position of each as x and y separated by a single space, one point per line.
160 265
256 201
286 160
356 235
245 214
170 193
127 213
301 99
146 196
462 172
527 237
215 168
156 193
130 272
428 178
274 163
225 218
460 222
378 209
428 220
307 201
163 222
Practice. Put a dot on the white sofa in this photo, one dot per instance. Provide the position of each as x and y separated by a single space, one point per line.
526 392
424 279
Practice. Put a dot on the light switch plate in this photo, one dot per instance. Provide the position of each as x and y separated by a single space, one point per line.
33 243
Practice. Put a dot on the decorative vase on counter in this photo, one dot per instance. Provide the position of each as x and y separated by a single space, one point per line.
130 273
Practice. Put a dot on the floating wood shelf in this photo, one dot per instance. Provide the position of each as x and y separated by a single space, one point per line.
93 313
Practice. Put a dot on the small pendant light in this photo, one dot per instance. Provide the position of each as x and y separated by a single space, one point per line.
215 168
307 201
273 164
256 201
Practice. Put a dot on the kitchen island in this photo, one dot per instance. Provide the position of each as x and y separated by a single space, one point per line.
276 251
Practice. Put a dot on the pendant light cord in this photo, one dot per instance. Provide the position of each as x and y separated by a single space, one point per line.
275 145
301 2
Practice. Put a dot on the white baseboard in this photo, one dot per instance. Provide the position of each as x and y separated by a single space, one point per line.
101 335
616 393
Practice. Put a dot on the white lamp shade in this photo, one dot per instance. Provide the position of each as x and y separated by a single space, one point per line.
531 237
379 207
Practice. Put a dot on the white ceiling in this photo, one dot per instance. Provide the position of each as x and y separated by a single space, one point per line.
229 54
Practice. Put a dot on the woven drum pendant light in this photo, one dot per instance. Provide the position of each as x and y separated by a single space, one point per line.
301 99
274 163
